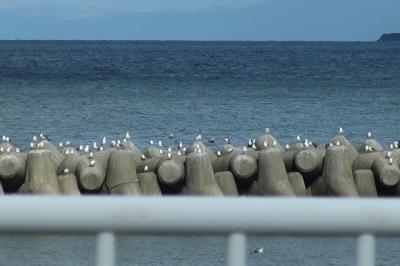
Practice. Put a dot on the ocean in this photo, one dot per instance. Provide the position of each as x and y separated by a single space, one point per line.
83 90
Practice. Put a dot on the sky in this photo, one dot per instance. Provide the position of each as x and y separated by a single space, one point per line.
280 20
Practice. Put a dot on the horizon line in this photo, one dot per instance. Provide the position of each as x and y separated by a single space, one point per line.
183 40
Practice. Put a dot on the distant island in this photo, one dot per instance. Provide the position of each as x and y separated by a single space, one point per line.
389 37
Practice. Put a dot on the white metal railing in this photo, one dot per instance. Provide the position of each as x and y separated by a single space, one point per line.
234 217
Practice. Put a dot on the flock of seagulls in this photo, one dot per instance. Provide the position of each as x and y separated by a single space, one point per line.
39 143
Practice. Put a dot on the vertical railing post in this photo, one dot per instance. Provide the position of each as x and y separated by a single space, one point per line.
105 248
366 250
236 251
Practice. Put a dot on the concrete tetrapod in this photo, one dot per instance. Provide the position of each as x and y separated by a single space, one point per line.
365 183
1 190
288 158
203 147
55 154
372 143
91 173
70 162
12 170
337 173
226 182
68 184
130 146
297 182
309 160
152 152
148 184
221 163
388 174
244 167
40 173
270 140
272 178
121 174
365 160
150 163
200 179
317 188
171 173
351 151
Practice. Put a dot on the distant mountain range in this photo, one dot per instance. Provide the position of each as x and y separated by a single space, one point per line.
390 37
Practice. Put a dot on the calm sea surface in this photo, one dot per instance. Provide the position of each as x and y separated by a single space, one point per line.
81 91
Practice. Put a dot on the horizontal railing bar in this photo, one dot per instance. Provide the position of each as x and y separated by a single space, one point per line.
170 215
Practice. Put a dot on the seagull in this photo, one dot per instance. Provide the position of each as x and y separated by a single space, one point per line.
103 141
32 145
266 130
179 153
161 152
67 143
146 168
17 150
44 137
369 134
1 149
250 143
211 140
3 138
92 163
388 154
298 138
390 161
274 143
66 171
287 146
87 148
337 143
113 143
219 153
80 148
391 146
184 149
230 149
95 145
244 148
7 139
151 142
101 148
127 136
40 145
91 155
258 250
143 157
171 136
180 145
169 156
341 131
34 139
9 149
265 144
169 149
160 143
61 145
67 152
226 140
331 144
72 151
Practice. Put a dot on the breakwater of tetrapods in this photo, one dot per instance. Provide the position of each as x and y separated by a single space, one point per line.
262 167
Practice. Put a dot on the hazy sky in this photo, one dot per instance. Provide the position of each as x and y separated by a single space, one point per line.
199 20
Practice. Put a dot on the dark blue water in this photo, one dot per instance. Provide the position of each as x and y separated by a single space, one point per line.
82 90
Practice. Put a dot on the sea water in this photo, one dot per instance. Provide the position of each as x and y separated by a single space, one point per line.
83 90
